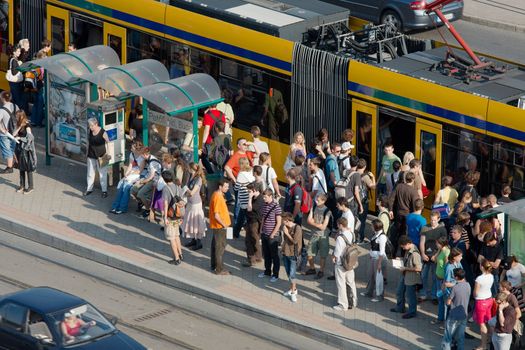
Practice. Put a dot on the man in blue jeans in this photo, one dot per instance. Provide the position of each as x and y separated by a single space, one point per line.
457 317
410 277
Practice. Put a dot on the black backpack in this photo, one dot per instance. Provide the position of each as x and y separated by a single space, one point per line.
341 165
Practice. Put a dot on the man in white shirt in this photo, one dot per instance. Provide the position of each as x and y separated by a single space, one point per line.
342 276
318 179
344 157
378 261
342 206
261 145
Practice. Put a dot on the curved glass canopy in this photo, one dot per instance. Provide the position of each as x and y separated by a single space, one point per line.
118 80
69 66
182 94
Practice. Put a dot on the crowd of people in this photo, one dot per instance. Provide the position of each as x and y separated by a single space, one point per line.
455 260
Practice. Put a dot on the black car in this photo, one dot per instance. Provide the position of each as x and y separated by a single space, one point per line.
44 318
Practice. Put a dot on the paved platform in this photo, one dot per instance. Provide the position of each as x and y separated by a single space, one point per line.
56 214
507 14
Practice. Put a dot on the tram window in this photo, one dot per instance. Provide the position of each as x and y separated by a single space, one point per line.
142 46
4 33
58 35
86 31
508 168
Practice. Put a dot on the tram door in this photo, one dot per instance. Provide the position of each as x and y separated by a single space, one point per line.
364 123
58 28
428 149
115 37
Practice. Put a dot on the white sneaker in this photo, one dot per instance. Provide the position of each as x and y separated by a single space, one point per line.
288 293
376 300
338 308
294 297
262 275
274 279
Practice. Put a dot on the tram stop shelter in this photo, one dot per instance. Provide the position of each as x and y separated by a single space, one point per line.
512 217
90 82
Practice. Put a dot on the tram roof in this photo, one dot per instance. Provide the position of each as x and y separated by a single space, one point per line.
506 88
287 19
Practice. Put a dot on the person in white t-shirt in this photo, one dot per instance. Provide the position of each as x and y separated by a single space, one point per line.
269 177
342 206
378 260
515 273
343 278
318 180
483 296
261 145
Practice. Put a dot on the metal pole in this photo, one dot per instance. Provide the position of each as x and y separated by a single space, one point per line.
46 115
145 117
195 136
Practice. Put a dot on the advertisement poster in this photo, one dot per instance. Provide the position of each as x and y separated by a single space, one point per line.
67 126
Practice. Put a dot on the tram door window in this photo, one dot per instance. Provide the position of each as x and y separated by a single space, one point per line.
58 35
85 31
428 158
115 43
364 139
428 149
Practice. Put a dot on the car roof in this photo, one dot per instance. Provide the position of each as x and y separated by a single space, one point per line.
44 300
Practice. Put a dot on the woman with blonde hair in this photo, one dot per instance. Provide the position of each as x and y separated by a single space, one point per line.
244 178
407 157
297 147
194 222
25 152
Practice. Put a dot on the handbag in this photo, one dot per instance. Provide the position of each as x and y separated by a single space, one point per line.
17 78
104 160
379 283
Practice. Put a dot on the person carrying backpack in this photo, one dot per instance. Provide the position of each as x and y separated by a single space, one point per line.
368 183
345 260
7 127
377 265
221 147
211 116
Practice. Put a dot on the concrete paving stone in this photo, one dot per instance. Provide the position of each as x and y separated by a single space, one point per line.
507 15
62 218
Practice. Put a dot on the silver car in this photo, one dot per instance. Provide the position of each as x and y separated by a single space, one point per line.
404 14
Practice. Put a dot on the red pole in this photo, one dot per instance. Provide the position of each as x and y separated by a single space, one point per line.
458 37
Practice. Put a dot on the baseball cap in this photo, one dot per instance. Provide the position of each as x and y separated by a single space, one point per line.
346 146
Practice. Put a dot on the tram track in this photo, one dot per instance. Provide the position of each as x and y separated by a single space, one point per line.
137 328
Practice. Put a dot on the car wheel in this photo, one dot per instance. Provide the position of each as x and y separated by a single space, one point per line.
391 17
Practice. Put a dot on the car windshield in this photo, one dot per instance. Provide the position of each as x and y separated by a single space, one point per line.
81 324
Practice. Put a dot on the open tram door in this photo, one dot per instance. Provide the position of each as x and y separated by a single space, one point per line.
428 149
115 37
364 123
58 29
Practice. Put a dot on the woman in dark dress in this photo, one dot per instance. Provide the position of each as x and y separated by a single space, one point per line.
97 139
25 152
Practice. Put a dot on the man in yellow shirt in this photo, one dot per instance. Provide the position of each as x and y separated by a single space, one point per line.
219 221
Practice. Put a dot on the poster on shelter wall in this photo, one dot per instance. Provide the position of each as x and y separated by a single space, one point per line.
67 124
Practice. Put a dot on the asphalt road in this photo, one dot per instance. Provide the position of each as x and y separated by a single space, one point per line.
489 41
123 295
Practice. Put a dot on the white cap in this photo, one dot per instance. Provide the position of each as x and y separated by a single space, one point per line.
346 146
